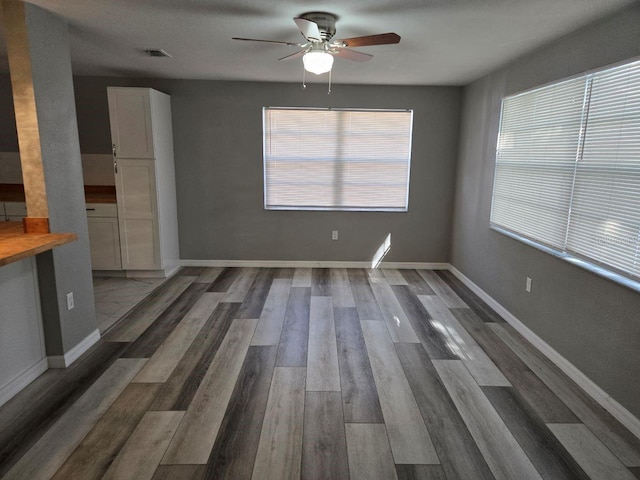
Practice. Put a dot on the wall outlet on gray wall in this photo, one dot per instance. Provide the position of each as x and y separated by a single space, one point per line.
528 285
334 235
70 301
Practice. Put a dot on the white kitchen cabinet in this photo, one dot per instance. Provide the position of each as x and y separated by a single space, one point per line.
145 180
137 205
130 118
104 236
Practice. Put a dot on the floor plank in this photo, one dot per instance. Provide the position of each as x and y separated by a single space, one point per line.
224 280
272 317
341 288
301 277
505 457
144 449
366 303
320 282
322 360
416 283
292 350
393 315
236 445
131 326
209 275
394 277
284 273
191 271
194 439
618 439
280 447
178 391
168 355
54 447
369 453
546 453
257 294
360 401
479 306
442 290
456 448
237 291
96 451
408 435
429 331
592 455
545 402
151 339
324 448
464 346
420 472
179 472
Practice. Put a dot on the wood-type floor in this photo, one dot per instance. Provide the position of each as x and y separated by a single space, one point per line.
284 373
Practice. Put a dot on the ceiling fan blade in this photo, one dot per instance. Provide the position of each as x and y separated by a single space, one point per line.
352 55
266 41
381 39
309 29
294 55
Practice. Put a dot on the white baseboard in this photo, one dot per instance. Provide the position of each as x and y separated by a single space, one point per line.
12 388
63 361
605 400
309 264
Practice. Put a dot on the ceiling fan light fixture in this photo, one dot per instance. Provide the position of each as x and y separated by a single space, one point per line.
317 62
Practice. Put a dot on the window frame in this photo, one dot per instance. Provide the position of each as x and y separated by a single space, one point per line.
338 208
624 278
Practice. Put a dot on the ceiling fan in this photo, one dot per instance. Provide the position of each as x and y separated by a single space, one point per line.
319 48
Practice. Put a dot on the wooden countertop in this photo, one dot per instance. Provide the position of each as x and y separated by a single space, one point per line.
14 192
16 245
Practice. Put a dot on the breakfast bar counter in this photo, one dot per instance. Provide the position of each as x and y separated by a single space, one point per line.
16 245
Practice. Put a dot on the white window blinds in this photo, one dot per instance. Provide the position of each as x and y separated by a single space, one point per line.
535 161
568 168
318 159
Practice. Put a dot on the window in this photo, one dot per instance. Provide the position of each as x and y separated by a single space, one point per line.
568 169
334 159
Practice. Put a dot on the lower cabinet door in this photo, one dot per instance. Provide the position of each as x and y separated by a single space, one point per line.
139 244
104 242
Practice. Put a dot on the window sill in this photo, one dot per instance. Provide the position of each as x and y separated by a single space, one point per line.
579 262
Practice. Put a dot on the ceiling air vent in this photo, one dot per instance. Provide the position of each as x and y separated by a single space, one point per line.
156 52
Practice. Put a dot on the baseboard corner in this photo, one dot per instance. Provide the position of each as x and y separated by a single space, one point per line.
63 361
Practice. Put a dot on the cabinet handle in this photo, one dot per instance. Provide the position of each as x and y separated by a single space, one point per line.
90 209
113 149
115 166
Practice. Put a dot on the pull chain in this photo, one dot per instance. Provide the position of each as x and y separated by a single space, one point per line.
304 76
329 83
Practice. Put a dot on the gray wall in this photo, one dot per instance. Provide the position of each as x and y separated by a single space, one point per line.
592 322
218 150
66 268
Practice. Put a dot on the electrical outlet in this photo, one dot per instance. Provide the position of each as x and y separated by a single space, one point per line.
334 235
69 300
528 285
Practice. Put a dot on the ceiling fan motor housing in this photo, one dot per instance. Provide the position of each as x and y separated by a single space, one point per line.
326 23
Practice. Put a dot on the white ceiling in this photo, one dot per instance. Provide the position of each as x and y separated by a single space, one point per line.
444 42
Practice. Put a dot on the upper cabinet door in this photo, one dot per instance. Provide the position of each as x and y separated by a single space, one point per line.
130 118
